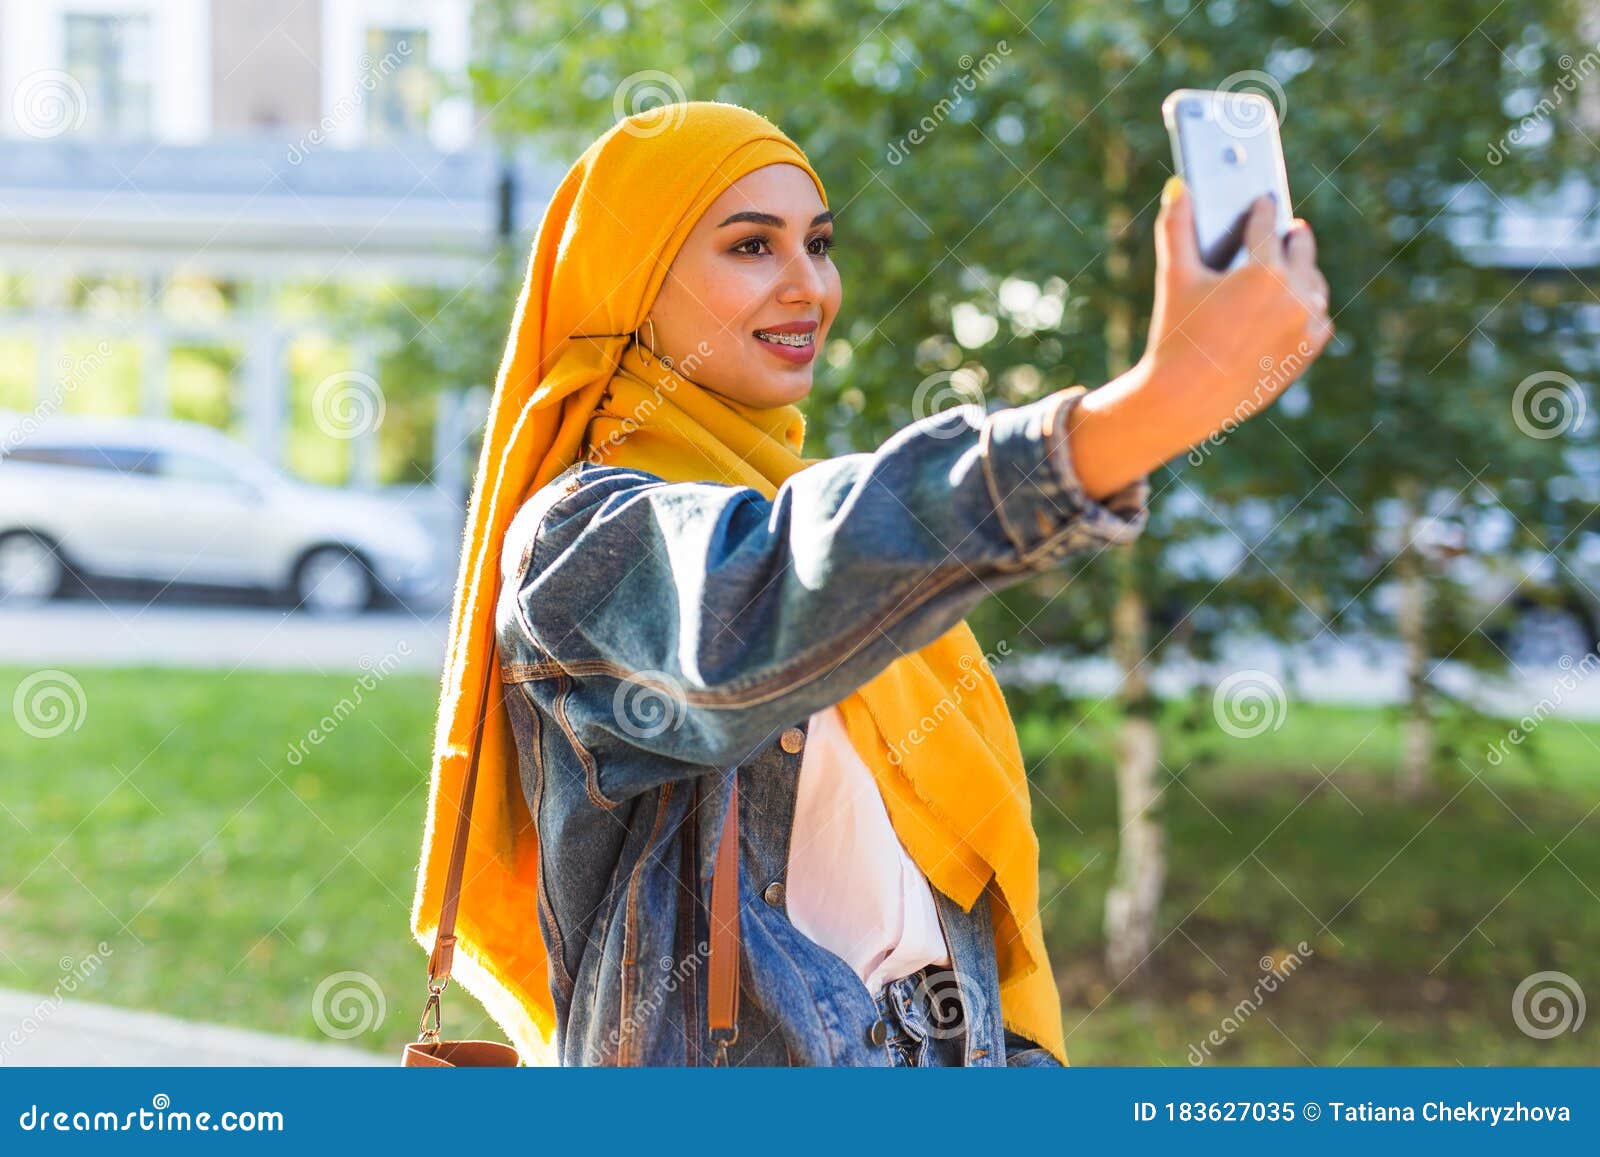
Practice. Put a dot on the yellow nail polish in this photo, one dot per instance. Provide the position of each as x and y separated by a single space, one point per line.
1171 190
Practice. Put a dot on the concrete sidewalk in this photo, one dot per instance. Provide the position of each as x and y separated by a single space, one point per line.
81 632
77 1032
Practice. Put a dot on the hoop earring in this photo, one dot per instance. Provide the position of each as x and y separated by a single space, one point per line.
662 359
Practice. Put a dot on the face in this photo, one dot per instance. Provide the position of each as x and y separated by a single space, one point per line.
747 302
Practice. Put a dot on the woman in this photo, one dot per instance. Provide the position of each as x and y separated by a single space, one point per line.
673 627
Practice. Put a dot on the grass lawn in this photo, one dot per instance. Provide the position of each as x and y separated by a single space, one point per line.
230 881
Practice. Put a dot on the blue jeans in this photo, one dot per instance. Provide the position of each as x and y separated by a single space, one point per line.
922 1012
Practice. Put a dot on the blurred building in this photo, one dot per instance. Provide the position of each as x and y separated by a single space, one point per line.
169 167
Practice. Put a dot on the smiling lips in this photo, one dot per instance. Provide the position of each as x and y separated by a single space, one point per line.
793 341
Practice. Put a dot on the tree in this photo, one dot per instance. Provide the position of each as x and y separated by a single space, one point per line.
996 169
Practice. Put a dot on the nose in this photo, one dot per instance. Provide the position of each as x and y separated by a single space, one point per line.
802 281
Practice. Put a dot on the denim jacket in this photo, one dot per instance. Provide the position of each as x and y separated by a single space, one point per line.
657 638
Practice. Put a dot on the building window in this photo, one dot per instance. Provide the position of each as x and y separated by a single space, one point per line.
109 55
401 86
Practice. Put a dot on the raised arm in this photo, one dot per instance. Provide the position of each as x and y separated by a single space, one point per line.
747 614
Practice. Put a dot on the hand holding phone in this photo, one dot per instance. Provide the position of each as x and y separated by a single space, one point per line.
1222 347
1241 309
1237 274
1226 147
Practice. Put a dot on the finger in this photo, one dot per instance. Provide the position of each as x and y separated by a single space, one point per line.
1310 288
1300 247
1260 232
1311 291
1177 247
1319 289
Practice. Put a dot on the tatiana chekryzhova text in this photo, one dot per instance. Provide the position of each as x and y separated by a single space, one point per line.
1470 1112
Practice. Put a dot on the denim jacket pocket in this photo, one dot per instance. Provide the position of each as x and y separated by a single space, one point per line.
1022 1053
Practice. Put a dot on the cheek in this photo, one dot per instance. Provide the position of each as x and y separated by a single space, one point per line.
832 297
734 300
706 294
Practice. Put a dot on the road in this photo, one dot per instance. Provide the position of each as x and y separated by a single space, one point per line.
48 1030
83 632
111 632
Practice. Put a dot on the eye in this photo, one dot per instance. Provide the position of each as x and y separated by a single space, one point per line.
757 246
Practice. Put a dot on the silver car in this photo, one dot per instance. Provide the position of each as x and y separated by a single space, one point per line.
170 501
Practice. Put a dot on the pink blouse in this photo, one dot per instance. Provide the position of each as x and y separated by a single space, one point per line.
852 887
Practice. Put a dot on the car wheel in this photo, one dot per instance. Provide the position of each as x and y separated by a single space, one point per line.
30 569
333 581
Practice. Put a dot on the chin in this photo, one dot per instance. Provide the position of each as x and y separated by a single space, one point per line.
785 390
764 388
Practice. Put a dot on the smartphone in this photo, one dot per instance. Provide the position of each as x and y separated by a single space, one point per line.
1225 146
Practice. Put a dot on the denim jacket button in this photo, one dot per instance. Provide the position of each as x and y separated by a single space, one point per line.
878 1033
792 740
773 893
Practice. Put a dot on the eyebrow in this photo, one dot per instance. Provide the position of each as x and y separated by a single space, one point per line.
770 219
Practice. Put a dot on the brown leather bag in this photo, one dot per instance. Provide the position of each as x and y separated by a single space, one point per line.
429 1050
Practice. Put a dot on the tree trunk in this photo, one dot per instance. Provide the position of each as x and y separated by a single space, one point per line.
1141 871
1416 729
1130 918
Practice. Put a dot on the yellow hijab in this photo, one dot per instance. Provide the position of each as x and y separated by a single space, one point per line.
959 801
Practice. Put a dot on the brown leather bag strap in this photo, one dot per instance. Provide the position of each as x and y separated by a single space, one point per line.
722 1006
444 944
722 1009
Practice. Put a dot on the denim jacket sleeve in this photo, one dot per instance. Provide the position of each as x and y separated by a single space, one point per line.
747 613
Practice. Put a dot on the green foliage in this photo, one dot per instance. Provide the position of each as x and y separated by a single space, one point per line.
1001 164
211 844
1421 916
434 340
